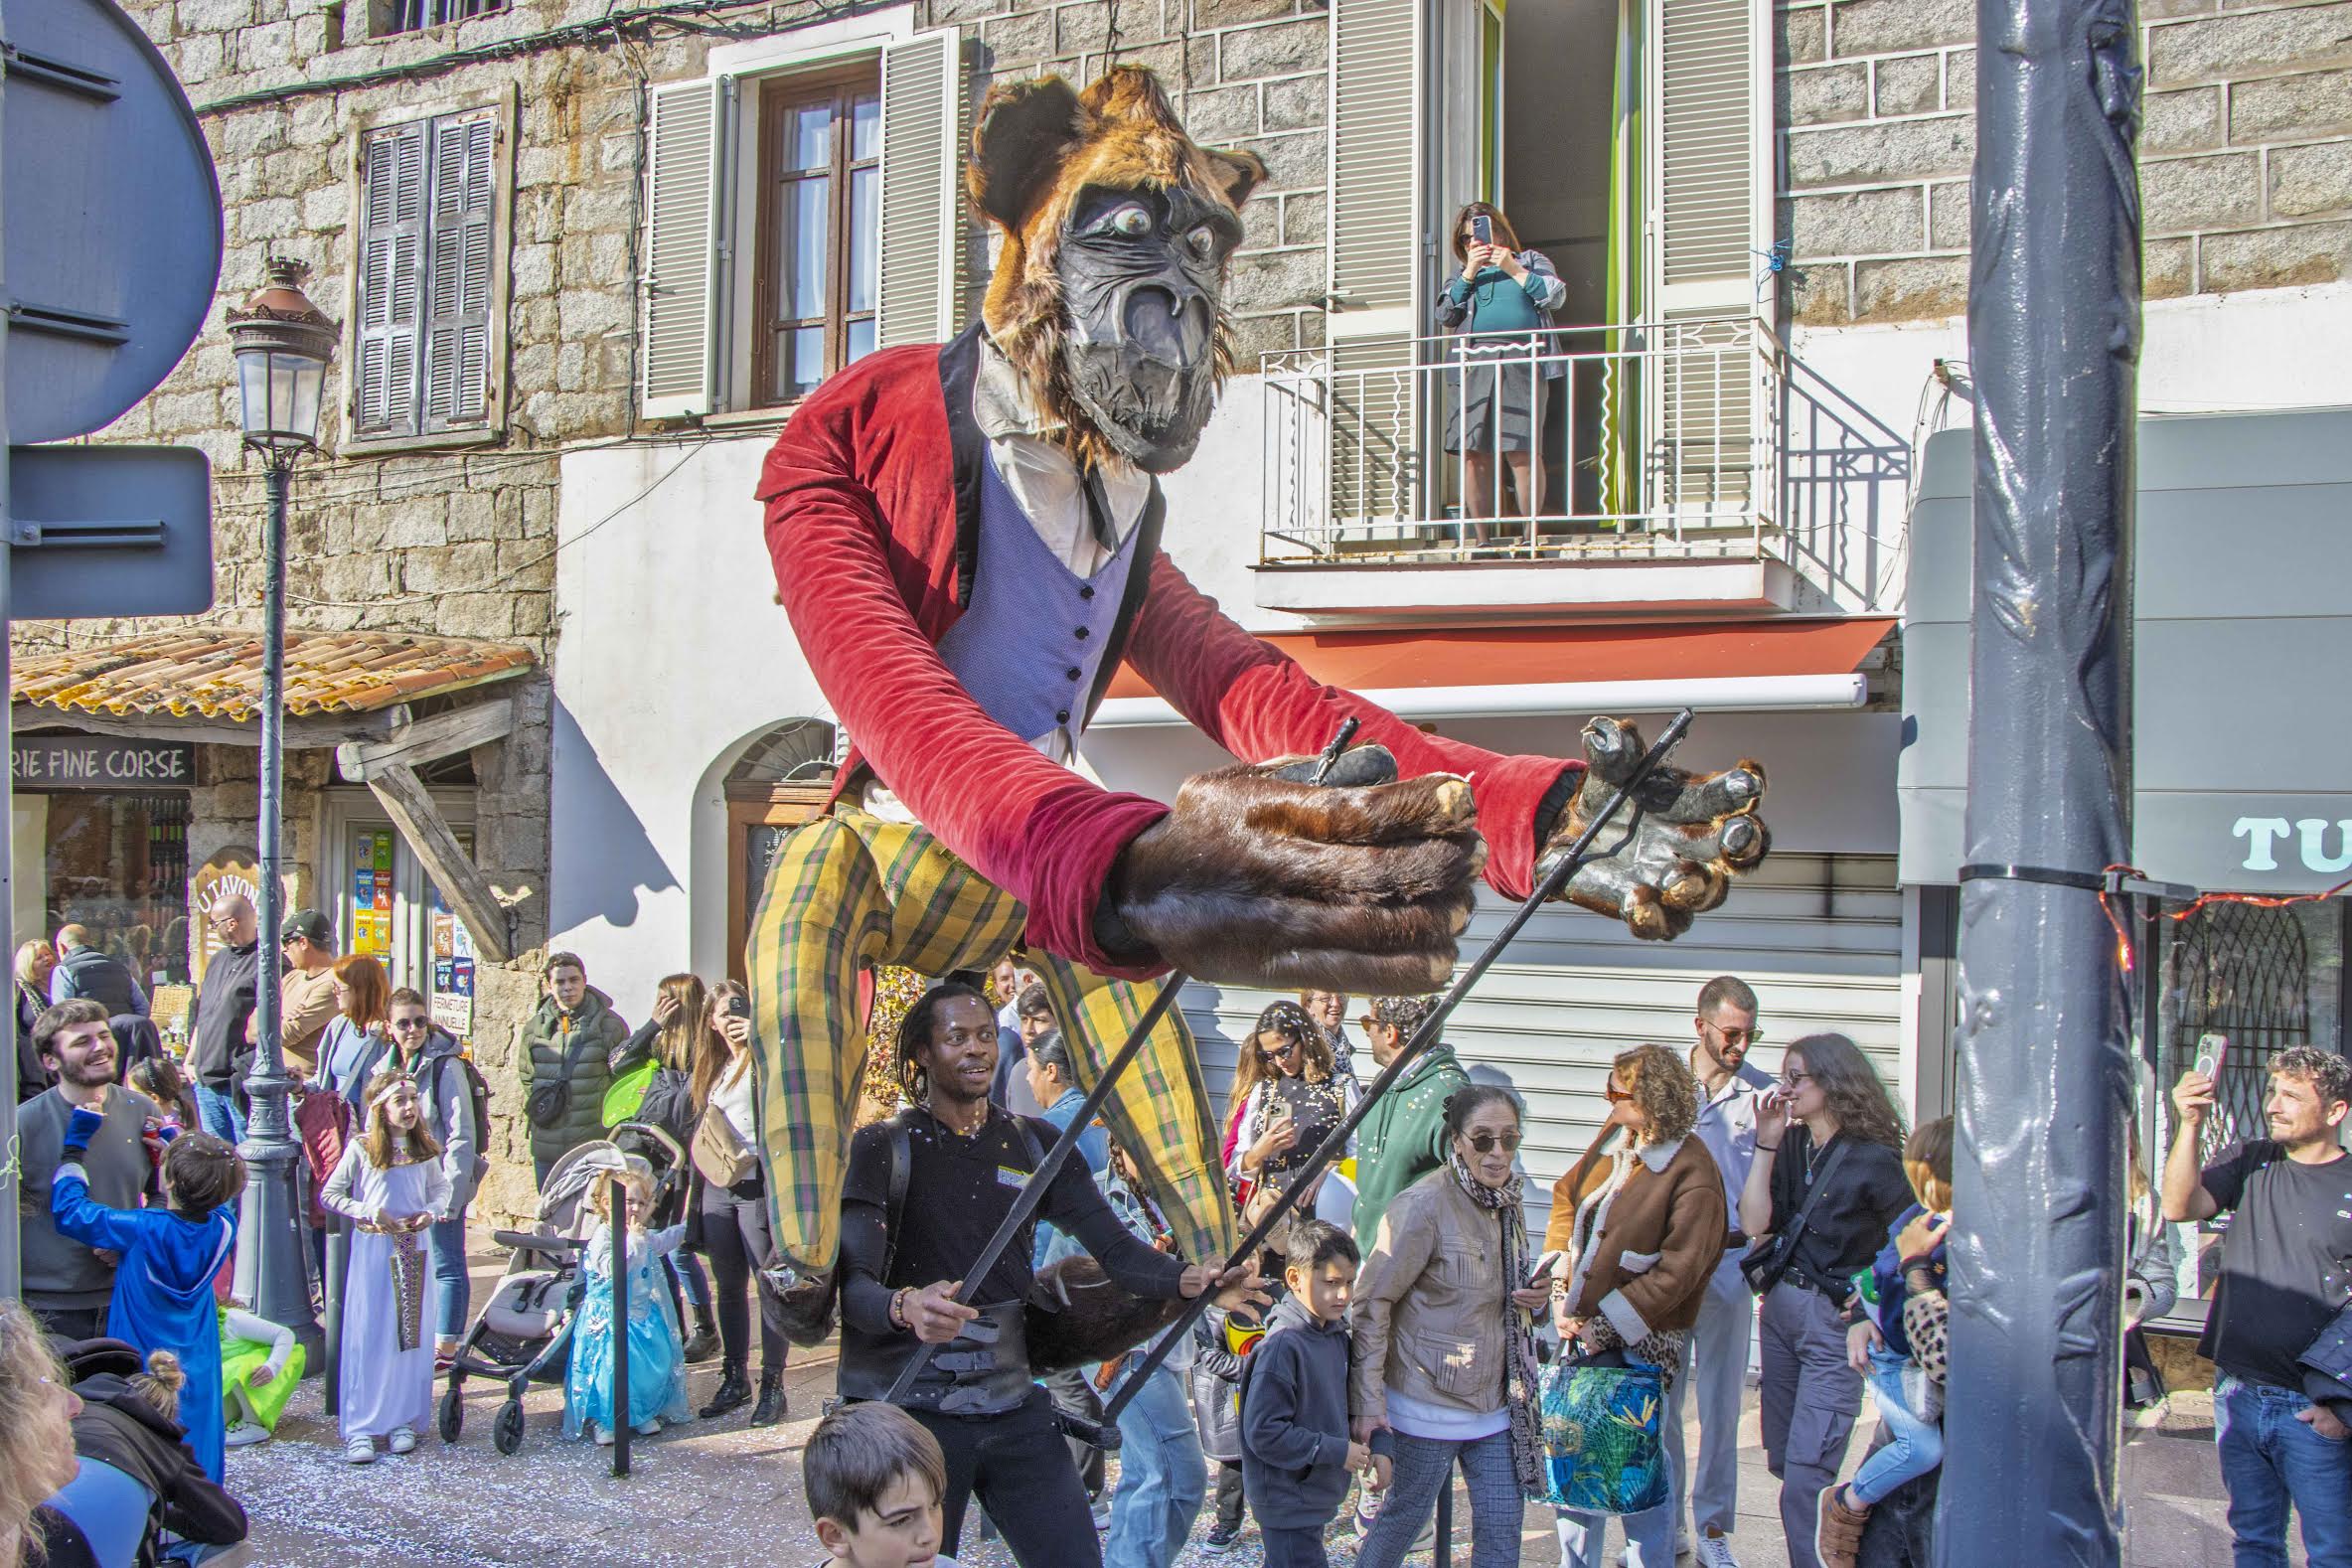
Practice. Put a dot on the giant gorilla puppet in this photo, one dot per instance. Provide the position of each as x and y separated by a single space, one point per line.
968 540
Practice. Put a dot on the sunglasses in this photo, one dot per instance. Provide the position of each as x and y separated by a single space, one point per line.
1750 1037
1615 1095
1485 1142
406 1024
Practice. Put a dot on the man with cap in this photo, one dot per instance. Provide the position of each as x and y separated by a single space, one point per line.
308 991
1402 1138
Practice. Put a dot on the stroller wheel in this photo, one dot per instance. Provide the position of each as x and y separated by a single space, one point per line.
507 1432
452 1414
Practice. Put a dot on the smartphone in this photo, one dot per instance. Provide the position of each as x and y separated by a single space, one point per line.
2212 1050
1482 229
738 1006
1545 1267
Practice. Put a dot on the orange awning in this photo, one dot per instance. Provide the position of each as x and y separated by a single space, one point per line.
1410 658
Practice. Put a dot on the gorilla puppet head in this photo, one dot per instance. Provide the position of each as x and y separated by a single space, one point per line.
1107 292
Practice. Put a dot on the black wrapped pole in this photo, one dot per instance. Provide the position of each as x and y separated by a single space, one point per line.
2045 1068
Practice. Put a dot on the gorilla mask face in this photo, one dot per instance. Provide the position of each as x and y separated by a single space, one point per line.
1107 292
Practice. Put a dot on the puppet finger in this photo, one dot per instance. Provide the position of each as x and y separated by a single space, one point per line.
1436 806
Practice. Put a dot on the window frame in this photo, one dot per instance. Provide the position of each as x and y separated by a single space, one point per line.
384 16
503 103
778 94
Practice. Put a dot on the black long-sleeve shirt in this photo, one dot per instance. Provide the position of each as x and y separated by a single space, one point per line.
959 1189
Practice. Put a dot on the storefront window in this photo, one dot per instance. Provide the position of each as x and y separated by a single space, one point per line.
113 861
2266 978
392 912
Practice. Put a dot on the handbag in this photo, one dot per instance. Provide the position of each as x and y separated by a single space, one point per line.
1603 1422
550 1103
723 1158
1763 1264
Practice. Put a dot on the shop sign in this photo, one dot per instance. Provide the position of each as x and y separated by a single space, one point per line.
2304 838
94 762
231 871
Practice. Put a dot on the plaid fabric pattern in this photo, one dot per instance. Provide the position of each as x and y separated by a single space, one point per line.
849 891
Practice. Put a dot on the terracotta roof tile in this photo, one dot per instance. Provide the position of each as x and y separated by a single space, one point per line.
216 671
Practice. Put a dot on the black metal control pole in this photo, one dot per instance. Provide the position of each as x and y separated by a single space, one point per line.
618 1194
1334 1145
2045 1063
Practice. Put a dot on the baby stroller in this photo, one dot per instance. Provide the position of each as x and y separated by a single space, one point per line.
523 1334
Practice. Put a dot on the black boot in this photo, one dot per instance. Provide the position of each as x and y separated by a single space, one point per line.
770 1409
734 1391
705 1342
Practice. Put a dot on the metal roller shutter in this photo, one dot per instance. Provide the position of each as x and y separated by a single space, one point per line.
1820 937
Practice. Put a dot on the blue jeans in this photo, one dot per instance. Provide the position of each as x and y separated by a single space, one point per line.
453 1286
219 1115
1913 1447
1163 1479
1649 1537
2269 1460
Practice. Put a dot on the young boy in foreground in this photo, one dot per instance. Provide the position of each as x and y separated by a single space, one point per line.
874 1479
1297 1455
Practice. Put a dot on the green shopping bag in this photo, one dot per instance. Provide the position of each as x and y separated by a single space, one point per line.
626 1094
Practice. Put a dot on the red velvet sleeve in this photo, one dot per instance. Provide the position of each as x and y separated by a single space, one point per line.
1256 703
856 481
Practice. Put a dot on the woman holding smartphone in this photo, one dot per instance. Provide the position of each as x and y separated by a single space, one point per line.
1826 1182
1501 300
735 1219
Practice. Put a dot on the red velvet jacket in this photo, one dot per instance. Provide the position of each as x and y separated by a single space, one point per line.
872 496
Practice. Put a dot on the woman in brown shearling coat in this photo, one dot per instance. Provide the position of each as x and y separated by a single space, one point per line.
1644 1245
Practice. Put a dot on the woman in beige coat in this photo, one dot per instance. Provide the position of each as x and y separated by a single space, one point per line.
1444 1345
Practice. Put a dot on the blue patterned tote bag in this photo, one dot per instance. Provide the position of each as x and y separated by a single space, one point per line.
1604 1449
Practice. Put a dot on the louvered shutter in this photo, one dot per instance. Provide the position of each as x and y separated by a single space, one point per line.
682 250
921 219
391 291
1709 215
1377 261
459 250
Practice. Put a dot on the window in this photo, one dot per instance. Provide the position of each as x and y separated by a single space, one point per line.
429 237
803 210
820 178
408 16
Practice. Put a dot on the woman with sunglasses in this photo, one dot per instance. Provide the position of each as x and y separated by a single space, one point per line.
1829 1178
1291 1096
434 1061
1644 1245
1445 1339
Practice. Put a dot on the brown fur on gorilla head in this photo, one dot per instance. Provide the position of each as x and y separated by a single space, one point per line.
1040 150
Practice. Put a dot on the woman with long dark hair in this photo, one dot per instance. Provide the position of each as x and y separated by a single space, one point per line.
1291 1095
1826 1182
735 1219
1501 300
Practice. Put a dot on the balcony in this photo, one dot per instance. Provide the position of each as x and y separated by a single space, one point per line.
1687 467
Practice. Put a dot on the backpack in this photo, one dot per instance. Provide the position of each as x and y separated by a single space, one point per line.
478 1094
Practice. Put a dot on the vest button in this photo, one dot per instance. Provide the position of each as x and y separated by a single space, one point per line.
1071 672
1062 717
1083 634
1085 591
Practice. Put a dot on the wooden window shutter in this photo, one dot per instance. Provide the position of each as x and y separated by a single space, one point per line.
683 248
922 229
390 282
1709 209
459 244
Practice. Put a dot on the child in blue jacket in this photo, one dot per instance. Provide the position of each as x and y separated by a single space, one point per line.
163 1286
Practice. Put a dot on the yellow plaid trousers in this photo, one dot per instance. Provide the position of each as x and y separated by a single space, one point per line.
849 891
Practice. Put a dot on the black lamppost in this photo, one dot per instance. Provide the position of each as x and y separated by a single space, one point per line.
282 345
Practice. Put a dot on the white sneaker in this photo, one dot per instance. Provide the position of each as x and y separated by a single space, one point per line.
244 1434
602 1435
401 1441
648 1427
360 1451
1714 1552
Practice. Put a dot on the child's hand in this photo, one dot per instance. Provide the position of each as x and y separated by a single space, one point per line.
1922 1237
261 1374
1859 1341
1360 1458
80 1128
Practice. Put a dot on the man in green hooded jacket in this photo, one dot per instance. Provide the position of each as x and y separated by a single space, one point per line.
1403 1137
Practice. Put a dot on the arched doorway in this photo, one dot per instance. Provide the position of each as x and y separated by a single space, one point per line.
784 779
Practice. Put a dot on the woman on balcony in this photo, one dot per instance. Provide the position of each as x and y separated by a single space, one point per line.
1501 300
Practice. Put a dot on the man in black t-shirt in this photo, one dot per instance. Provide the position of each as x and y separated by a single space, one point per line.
2287 1270
902 1263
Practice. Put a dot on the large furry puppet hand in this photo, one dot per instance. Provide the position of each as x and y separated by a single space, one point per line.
1671 852
1259 875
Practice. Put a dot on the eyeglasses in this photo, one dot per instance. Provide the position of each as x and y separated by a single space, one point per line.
1795 1077
1485 1142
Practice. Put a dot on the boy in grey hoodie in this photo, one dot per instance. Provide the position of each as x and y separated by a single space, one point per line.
1297 1455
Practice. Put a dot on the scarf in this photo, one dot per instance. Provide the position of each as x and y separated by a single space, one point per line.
1520 1381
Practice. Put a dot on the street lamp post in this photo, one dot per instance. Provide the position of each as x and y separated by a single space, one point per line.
283 346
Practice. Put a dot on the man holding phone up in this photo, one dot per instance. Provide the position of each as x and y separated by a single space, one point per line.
2285 1271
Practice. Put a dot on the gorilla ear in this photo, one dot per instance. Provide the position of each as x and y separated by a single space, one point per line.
1025 132
1236 173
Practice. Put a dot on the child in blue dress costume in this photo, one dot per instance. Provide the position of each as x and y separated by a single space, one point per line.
657 1356
163 1286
